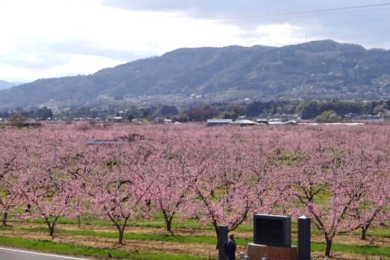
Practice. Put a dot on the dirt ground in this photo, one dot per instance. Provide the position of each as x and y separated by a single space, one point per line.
203 250
130 245
345 239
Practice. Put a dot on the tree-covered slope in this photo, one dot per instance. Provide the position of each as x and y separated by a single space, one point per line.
314 70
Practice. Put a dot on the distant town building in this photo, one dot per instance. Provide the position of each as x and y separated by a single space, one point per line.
117 119
244 122
214 122
286 122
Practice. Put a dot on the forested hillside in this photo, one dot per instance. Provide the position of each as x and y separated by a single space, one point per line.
314 70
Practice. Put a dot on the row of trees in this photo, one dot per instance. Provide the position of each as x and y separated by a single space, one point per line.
199 112
313 109
306 109
43 113
219 176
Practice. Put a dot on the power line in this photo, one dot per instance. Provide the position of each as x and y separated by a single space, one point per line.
318 11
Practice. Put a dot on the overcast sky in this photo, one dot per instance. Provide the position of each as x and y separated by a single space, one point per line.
53 38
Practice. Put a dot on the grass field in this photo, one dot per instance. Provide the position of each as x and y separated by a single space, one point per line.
148 240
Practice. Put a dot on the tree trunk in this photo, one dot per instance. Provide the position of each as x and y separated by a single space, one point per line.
168 221
4 220
169 226
364 232
79 222
328 249
52 231
217 232
121 234
120 227
121 230
51 226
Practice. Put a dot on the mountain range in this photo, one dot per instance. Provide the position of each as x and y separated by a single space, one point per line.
314 70
5 85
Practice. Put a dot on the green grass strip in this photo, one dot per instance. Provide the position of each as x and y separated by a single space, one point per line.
133 236
158 222
357 250
65 249
362 250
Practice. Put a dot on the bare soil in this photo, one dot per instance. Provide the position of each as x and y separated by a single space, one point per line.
203 250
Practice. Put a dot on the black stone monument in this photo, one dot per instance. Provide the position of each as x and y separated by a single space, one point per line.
271 230
304 238
222 237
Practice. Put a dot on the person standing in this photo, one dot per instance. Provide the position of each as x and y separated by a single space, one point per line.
230 248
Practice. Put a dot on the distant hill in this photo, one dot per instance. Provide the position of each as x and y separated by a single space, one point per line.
314 70
5 85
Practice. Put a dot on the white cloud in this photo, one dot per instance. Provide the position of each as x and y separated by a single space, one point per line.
35 35
277 35
76 65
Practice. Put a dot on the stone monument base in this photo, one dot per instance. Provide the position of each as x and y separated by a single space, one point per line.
256 252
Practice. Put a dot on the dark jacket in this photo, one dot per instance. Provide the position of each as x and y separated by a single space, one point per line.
230 249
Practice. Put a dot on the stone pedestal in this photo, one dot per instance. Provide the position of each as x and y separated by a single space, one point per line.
256 252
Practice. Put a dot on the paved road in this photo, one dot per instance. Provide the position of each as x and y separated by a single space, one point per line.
16 254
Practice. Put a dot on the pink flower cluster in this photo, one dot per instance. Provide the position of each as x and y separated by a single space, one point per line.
336 175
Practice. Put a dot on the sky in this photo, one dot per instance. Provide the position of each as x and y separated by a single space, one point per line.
55 38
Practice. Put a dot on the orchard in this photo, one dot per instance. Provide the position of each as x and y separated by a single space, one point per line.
123 174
